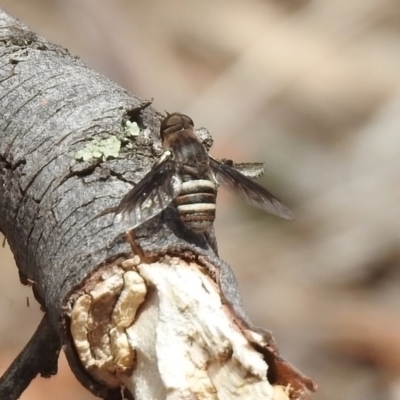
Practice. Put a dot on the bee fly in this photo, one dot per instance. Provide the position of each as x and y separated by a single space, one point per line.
188 176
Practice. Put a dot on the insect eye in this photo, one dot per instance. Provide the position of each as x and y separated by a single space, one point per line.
173 120
170 121
175 123
187 120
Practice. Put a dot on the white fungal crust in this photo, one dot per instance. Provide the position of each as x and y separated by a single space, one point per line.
183 344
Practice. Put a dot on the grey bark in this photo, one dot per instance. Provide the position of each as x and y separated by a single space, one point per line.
53 209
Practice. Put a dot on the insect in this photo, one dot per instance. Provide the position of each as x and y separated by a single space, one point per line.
188 176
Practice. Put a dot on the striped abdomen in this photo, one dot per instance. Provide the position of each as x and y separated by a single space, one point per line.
196 204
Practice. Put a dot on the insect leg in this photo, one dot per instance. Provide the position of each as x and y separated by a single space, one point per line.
135 246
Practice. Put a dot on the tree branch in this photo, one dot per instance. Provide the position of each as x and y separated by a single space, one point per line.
39 356
67 156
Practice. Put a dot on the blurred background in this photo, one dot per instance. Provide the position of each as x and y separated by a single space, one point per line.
310 87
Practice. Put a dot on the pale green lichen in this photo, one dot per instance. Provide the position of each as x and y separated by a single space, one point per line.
131 129
104 149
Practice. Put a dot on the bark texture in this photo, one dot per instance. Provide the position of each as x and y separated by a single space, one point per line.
53 208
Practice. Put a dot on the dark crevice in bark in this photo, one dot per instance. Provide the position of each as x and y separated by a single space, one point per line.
133 114
83 169
12 166
120 176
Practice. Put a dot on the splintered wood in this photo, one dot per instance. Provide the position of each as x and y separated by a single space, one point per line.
98 322
165 334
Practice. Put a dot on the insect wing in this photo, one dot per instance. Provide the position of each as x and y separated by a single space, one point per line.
249 170
153 194
248 190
